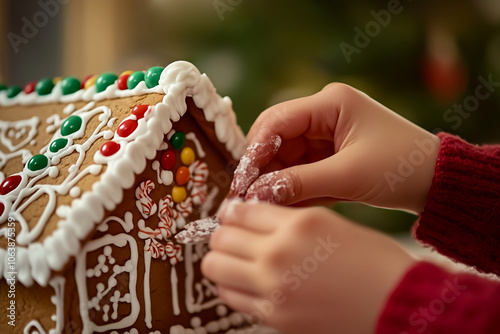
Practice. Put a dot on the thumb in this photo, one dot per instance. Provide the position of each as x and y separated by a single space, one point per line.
331 177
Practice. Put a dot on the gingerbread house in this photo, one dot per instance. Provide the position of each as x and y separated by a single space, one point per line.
97 176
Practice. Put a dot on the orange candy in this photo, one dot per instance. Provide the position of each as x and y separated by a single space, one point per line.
182 175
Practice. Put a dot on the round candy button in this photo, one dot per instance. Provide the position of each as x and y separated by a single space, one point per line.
177 140
9 184
104 81
179 194
182 176
168 159
152 76
70 85
37 162
109 148
29 88
187 156
134 79
126 128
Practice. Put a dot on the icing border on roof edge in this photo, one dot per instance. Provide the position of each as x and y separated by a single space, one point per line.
177 81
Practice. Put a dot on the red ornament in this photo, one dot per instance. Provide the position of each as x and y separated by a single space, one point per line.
168 159
109 148
122 81
126 128
140 110
10 183
2 208
82 85
29 88
182 176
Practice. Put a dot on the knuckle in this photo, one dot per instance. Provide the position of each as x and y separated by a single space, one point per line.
309 221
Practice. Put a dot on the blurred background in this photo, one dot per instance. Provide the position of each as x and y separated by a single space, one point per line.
419 58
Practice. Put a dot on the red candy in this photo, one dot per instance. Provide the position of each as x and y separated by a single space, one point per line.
9 184
2 208
29 88
82 85
109 148
126 128
168 159
140 110
122 81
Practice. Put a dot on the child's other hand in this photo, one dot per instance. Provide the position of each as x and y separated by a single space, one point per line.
303 270
341 144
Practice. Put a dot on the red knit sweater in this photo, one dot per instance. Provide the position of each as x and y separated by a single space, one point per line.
461 220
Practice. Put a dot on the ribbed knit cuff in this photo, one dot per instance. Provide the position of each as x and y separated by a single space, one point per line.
461 218
431 300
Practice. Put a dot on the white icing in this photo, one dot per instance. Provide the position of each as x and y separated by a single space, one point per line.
130 267
191 136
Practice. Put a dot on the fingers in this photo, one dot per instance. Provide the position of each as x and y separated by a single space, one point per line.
236 241
332 177
229 271
255 217
239 300
257 155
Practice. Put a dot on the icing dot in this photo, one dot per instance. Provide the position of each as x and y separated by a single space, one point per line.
152 76
44 86
53 172
58 144
212 327
38 162
2 208
134 79
105 80
90 81
109 148
71 125
84 81
187 156
126 128
12 91
177 140
140 110
75 192
168 159
179 194
195 322
122 80
107 250
182 175
221 310
224 323
29 88
10 183
89 272
235 318
70 85
2 87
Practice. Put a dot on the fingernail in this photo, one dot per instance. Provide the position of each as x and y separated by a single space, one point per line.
271 188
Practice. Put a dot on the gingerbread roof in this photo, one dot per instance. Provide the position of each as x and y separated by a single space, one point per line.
68 209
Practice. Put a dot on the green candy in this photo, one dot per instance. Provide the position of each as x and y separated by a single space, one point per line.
71 125
152 76
58 144
2 87
104 81
12 91
177 140
44 86
70 85
38 162
134 79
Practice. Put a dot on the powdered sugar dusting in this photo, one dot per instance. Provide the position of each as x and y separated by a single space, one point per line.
272 188
256 156
198 231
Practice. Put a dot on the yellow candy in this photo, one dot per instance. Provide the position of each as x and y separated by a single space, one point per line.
187 156
126 73
179 194
56 80
90 82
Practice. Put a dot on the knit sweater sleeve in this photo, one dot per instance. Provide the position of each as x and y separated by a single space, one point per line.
461 218
433 301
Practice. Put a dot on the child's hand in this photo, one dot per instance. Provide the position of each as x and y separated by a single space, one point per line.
339 143
302 270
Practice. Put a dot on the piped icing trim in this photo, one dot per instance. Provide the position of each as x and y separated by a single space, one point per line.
177 81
